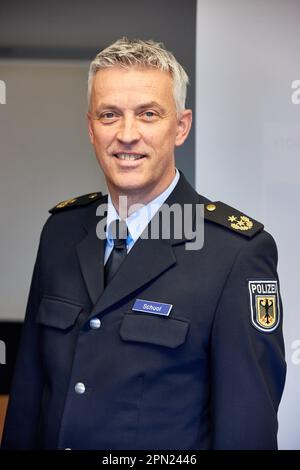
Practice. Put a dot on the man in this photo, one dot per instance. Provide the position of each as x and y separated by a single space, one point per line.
136 343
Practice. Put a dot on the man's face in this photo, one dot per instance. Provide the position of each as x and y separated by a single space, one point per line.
134 128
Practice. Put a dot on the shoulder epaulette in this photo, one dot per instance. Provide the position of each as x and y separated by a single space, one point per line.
76 202
231 218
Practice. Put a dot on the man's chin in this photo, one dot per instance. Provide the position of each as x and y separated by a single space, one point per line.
130 188
128 183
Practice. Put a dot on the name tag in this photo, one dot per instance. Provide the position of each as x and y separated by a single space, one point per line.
148 306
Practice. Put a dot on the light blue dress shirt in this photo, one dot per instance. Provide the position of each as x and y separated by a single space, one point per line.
138 220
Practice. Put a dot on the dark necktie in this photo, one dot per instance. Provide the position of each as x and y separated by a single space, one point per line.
119 234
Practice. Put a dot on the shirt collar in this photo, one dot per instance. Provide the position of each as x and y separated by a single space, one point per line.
138 220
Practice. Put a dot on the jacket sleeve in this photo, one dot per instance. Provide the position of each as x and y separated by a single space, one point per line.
248 365
21 425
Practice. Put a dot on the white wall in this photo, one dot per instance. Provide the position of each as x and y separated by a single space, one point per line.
248 142
45 157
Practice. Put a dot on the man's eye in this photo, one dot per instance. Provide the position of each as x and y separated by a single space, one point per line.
150 115
108 115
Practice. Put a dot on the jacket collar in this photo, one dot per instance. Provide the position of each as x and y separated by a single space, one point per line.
148 258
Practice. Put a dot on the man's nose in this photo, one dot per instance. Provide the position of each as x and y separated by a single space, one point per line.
128 131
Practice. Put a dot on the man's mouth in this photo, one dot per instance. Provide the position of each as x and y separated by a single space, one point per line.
129 156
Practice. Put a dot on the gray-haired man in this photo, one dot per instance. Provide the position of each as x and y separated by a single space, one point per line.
132 342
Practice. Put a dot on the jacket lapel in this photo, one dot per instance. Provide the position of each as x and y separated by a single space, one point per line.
145 261
148 258
90 251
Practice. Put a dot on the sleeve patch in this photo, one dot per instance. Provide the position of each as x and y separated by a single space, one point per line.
264 304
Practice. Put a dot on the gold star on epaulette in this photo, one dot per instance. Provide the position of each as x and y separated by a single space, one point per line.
76 202
228 217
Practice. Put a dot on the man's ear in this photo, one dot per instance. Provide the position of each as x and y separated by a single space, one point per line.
90 127
184 125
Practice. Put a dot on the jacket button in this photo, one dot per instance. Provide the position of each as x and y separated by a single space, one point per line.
79 388
211 207
95 323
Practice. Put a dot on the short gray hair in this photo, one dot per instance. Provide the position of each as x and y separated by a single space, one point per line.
136 52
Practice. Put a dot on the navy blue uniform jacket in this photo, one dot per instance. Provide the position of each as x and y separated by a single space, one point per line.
201 378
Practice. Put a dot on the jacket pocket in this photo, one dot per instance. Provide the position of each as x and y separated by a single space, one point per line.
57 313
168 332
